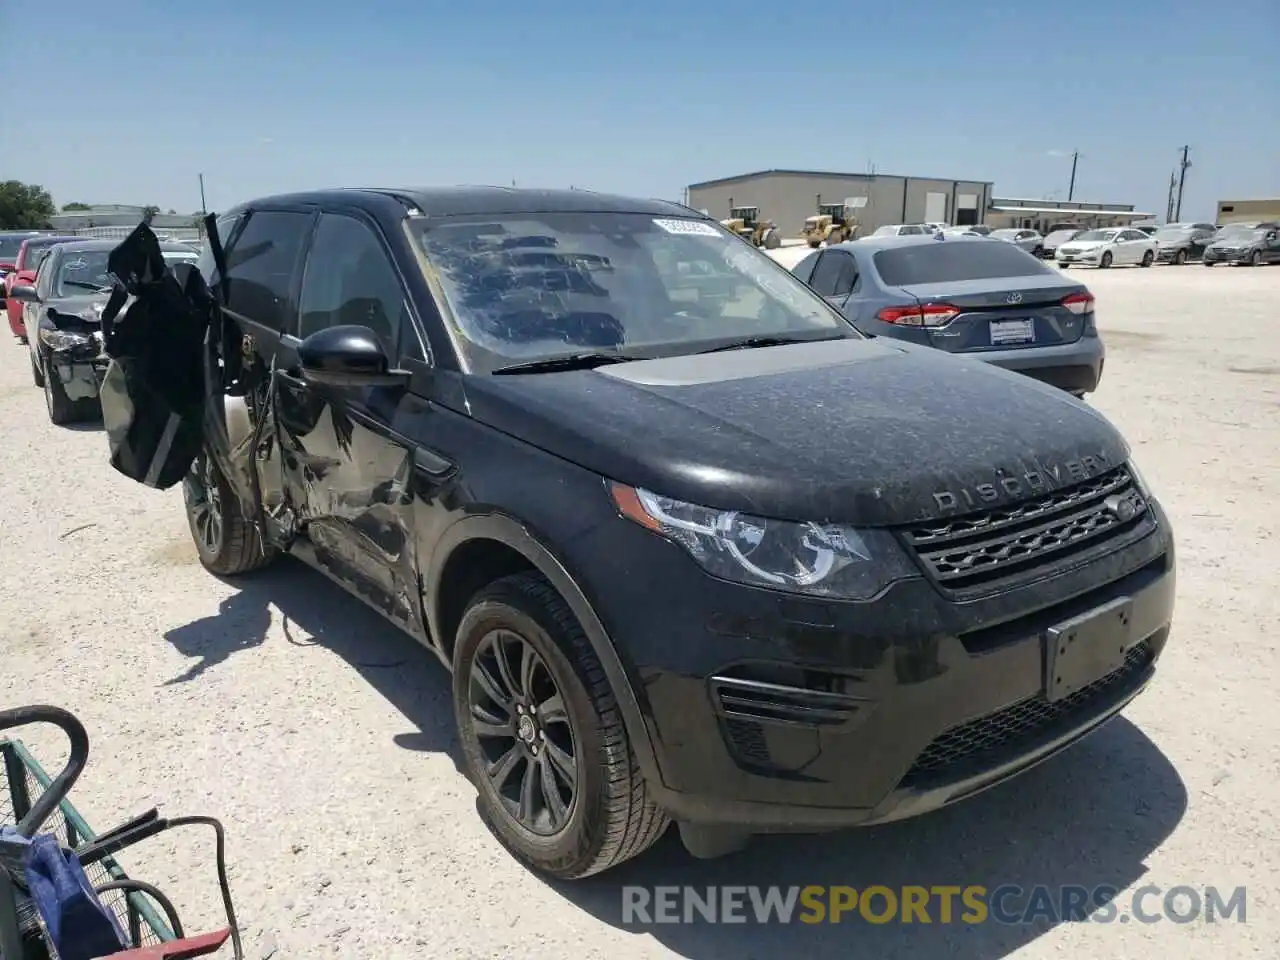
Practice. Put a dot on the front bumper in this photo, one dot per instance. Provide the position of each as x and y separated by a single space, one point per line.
80 376
775 713
1088 258
1234 256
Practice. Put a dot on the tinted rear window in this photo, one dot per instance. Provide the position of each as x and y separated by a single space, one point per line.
947 261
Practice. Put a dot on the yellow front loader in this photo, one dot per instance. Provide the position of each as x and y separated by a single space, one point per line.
746 223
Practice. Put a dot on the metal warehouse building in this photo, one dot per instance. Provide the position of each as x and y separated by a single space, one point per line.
789 196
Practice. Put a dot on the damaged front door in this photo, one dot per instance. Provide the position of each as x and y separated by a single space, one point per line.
348 472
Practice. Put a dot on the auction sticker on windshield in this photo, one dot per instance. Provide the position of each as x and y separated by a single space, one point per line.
688 228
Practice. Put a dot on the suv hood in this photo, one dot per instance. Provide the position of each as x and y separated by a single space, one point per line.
871 432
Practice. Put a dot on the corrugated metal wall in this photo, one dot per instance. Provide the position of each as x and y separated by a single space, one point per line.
788 198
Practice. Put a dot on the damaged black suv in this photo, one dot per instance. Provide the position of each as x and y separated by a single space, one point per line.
693 548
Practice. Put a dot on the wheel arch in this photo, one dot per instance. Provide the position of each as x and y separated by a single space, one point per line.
503 545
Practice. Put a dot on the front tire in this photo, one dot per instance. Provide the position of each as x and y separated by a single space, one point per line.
228 544
62 409
542 735
1148 258
1106 260
1255 258
1180 257
37 375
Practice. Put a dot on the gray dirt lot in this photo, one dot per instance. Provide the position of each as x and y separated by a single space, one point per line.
324 739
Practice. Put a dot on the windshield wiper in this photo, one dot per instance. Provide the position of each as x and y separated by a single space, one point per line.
85 285
746 343
586 360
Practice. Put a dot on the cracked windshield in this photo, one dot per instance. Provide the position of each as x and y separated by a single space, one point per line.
534 287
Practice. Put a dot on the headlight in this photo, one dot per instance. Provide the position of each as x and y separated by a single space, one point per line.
821 559
63 339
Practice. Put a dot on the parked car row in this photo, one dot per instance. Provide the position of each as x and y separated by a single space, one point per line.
55 301
694 546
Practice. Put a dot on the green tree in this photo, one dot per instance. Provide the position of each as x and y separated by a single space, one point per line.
73 207
24 206
148 212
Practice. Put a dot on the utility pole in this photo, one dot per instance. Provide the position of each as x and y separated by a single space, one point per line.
1168 209
1182 181
1071 190
204 209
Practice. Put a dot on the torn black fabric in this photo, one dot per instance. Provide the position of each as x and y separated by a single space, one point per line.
154 330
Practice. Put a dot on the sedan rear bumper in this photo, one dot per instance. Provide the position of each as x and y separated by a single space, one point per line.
1074 367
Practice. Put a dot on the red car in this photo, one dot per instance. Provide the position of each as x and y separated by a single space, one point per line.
33 250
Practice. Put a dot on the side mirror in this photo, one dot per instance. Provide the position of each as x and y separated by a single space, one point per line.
24 292
348 356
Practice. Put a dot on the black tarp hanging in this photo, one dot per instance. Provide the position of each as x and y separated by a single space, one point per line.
153 393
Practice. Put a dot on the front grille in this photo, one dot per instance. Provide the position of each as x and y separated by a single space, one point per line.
988 742
989 549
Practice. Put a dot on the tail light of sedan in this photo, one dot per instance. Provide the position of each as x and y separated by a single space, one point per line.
919 315
1080 304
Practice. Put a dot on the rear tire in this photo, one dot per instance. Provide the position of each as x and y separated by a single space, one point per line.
228 544
1148 258
1106 260
525 671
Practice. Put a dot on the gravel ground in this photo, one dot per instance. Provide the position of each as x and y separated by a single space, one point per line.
323 738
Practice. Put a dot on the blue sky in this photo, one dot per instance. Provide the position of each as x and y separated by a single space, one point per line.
640 98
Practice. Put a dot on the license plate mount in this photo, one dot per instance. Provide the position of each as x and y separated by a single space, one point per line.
1012 332
1086 648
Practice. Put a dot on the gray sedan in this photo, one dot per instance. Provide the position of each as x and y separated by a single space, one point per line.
971 296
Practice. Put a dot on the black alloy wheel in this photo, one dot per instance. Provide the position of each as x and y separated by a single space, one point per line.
542 735
228 544
525 736
203 495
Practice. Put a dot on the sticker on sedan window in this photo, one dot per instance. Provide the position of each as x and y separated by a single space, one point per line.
688 228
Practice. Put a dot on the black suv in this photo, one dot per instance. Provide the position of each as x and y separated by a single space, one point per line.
693 548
